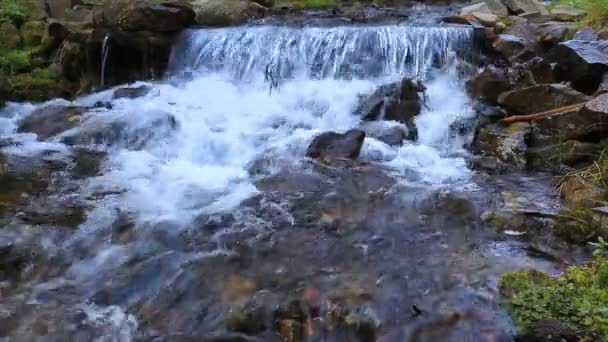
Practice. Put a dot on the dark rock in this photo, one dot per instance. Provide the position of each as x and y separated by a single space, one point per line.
149 15
557 157
265 3
131 93
541 70
552 33
492 81
540 98
586 33
603 87
550 330
332 145
495 6
574 189
509 45
583 63
393 136
51 120
86 162
400 102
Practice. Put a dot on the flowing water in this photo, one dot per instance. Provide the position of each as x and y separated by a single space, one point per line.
219 198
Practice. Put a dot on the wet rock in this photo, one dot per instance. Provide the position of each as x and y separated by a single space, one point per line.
526 6
393 136
507 144
21 175
50 120
567 13
149 15
583 63
290 330
333 145
57 8
540 98
575 189
487 165
54 212
131 93
226 12
541 70
489 84
249 315
519 221
86 162
586 34
495 6
106 132
265 3
549 330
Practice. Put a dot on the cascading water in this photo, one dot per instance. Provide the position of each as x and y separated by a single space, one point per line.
223 119
105 51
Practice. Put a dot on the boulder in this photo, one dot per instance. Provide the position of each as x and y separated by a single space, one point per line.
481 7
507 144
510 46
526 6
495 7
540 98
575 189
332 145
540 70
131 93
226 12
583 63
389 134
560 156
547 330
589 124
486 19
149 15
50 120
489 84
9 36
567 13
84 17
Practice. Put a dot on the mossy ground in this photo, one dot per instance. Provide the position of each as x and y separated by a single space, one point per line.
578 298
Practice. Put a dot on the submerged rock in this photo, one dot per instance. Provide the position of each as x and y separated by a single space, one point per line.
51 120
332 145
131 93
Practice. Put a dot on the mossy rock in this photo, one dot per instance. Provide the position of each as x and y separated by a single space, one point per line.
577 225
9 36
37 85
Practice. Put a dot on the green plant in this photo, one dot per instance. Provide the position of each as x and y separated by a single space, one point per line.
13 11
578 298
597 10
316 4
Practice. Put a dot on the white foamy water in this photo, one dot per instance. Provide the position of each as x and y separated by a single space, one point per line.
226 115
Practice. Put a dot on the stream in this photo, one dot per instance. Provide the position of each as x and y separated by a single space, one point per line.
205 201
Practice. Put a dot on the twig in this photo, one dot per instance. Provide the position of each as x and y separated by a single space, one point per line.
531 117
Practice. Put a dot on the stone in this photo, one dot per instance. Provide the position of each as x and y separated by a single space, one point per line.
540 70
131 93
585 33
51 120
226 12
149 15
583 63
392 135
547 330
57 8
481 7
526 6
489 84
567 13
561 155
603 87
536 17
509 45
552 33
495 6
540 98
9 36
486 19
84 17
602 34
332 145
507 144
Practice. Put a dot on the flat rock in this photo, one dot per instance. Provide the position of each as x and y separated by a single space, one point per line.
496 7
481 7
332 145
526 6
583 63
486 19
540 98
567 13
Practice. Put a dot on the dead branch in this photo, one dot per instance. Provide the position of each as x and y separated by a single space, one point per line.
532 117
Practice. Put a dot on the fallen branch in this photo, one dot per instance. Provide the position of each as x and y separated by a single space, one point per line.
532 117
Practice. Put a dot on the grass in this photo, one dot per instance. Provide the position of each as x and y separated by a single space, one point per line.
578 298
316 4
597 10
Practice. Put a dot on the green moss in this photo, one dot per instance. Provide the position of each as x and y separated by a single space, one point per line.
316 4
38 85
576 224
13 11
578 298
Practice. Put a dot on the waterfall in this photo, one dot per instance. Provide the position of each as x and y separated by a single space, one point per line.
105 50
338 52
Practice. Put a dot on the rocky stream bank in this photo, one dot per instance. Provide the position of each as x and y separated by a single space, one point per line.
339 245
